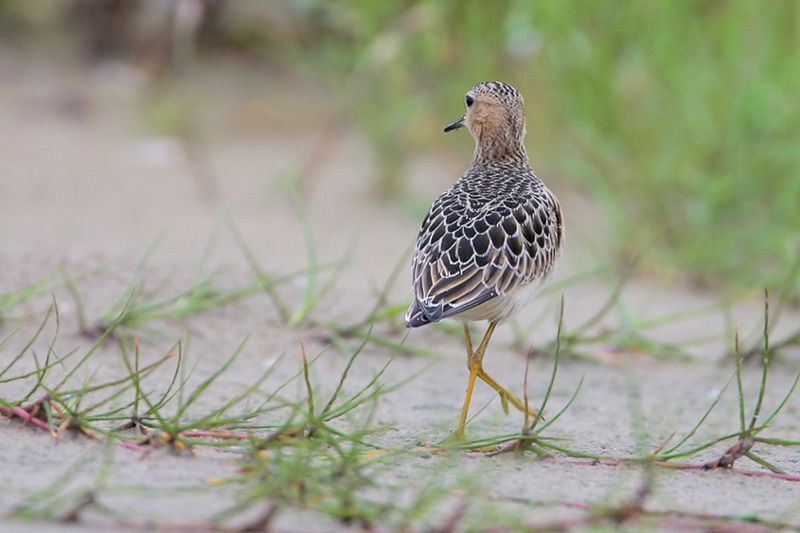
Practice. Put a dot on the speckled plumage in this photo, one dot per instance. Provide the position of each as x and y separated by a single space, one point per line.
492 239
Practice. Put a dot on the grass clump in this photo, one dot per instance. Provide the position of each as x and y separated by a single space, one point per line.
321 450
12 299
531 438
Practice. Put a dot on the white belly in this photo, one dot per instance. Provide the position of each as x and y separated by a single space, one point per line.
500 308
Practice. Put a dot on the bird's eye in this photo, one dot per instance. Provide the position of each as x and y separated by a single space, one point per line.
469 100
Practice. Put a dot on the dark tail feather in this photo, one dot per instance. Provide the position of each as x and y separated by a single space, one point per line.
416 316
417 320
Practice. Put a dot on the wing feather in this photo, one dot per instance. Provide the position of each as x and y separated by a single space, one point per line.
465 257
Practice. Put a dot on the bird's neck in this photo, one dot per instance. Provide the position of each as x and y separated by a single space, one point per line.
499 146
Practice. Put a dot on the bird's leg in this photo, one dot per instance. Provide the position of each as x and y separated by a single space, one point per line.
505 395
467 342
458 434
473 374
475 361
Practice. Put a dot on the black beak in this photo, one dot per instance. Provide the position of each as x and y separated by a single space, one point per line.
455 125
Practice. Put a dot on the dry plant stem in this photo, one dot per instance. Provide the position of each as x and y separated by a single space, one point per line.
684 466
671 520
216 433
740 449
132 446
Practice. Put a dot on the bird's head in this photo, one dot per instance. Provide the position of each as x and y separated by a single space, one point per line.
495 116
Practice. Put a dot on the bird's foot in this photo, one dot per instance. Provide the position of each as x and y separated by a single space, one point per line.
506 396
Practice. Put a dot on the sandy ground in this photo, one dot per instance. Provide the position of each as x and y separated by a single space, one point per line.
86 187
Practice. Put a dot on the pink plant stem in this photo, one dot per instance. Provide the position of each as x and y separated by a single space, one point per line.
218 433
690 466
774 475
133 446
27 417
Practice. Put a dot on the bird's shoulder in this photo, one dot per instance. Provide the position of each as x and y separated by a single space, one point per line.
494 231
488 193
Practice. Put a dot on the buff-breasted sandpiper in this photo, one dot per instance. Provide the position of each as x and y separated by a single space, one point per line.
490 242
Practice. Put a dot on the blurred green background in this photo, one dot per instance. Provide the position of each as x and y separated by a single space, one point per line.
681 119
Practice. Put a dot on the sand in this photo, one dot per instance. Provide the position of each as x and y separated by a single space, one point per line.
86 188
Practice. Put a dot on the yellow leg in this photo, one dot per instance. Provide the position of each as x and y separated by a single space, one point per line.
468 342
474 372
462 421
505 395
475 361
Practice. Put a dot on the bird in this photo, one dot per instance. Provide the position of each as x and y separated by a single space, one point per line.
492 240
